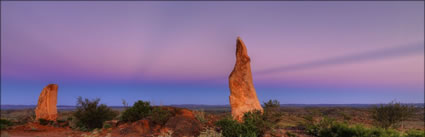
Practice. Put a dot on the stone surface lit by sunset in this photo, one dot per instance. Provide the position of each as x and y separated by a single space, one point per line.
243 97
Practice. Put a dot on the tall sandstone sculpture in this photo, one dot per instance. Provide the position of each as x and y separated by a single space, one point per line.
243 97
46 107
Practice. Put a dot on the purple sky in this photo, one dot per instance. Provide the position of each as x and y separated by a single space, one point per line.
182 52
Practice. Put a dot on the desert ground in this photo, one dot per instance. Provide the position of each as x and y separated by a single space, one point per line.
195 121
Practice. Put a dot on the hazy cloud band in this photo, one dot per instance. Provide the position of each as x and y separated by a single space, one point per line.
404 50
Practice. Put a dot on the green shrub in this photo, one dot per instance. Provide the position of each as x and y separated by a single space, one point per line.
391 114
272 114
230 127
45 121
313 128
139 110
330 128
90 115
254 122
415 133
253 125
143 109
271 104
4 124
160 116
61 121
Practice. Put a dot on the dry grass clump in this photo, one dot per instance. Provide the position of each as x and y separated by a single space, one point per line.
210 132
200 115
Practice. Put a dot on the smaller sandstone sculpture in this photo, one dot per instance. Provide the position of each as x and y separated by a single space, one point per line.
46 107
243 97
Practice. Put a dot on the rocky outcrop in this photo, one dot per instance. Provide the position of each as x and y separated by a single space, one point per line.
141 127
243 97
46 107
182 123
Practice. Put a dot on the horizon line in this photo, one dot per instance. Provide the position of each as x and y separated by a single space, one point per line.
229 104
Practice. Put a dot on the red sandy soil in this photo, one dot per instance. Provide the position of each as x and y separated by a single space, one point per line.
124 130
35 129
182 123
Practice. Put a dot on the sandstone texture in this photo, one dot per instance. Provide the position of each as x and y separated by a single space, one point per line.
182 123
46 107
243 97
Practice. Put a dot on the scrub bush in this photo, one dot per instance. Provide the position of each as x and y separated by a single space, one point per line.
415 133
230 127
90 114
255 123
392 114
4 124
143 109
45 121
140 110
160 116
272 114
330 128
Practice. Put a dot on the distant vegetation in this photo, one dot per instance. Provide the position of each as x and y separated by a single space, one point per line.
386 117
330 128
272 114
388 120
392 115
90 114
